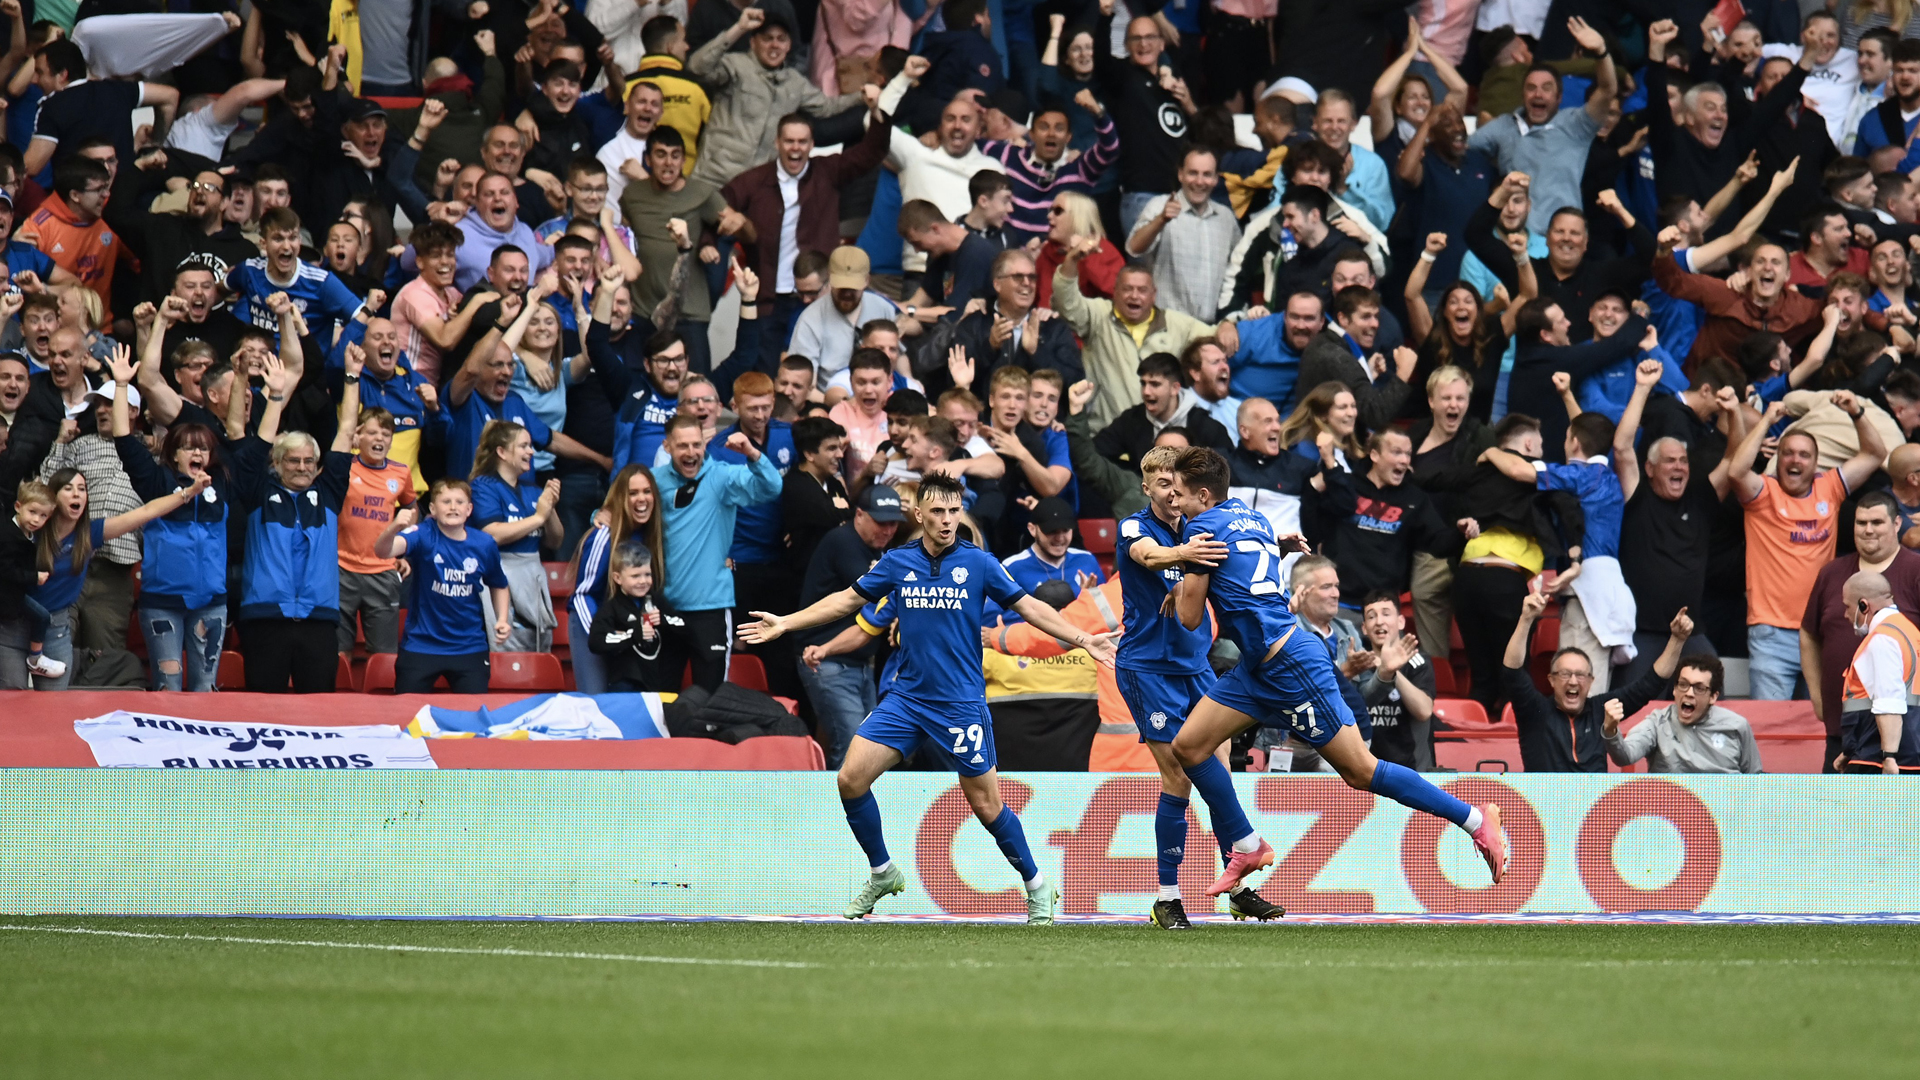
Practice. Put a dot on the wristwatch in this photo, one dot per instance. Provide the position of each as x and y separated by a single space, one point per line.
912 312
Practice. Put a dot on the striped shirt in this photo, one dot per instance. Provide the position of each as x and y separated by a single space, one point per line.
109 492
1036 182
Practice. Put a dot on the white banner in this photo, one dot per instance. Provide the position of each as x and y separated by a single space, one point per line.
124 739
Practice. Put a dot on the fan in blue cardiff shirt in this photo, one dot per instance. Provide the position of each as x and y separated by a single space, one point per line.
940 586
1285 679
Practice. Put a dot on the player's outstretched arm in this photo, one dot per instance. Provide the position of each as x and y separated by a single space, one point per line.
768 626
1043 617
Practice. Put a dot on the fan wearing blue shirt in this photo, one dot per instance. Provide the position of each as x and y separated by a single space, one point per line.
1285 679
1052 557
482 391
318 295
941 586
446 631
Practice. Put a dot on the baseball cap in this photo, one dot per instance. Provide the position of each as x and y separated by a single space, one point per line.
1294 89
882 504
6 198
362 108
1052 514
105 393
1010 102
848 268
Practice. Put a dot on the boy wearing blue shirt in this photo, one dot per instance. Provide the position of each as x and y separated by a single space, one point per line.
1286 678
1052 556
938 703
318 295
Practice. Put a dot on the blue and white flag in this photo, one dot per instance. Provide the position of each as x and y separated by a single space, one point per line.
549 716
125 739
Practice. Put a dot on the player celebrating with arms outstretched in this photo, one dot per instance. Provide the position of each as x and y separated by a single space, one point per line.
1162 674
1286 677
940 587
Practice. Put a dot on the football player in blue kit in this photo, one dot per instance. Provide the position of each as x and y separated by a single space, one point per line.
1286 677
940 587
1162 673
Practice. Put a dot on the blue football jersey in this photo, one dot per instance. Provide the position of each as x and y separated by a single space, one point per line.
314 290
446 617
1154 642
1246 589
940 599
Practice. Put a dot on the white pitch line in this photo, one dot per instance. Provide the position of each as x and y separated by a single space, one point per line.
372 947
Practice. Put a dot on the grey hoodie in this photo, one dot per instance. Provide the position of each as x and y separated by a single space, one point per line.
1721 742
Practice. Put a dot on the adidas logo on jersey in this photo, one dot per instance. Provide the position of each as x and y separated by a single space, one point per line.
978 760
911 576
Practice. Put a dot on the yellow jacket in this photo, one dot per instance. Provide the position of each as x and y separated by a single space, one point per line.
687 106
343 28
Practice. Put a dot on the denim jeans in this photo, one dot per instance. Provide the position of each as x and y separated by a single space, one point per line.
581 492
58 645
188 642
1773 662
842 694
1131 203
589 671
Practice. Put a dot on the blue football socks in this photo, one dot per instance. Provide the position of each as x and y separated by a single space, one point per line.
1170 837
1012 839
863 817
1215 784
1409 788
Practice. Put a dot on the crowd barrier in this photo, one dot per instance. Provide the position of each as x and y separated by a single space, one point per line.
509 842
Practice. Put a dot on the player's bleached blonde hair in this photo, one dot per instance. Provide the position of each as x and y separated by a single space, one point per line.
1160 459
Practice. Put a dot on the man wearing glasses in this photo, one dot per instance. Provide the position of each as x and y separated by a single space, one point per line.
1569 731
67 226
1013 330
198 230
1150 106
1692 735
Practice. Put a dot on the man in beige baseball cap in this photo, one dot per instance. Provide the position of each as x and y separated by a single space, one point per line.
830 326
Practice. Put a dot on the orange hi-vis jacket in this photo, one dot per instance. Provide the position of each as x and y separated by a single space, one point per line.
1860 732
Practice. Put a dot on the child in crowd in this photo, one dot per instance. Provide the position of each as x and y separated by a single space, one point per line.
19 573
626 628
370 587
446 631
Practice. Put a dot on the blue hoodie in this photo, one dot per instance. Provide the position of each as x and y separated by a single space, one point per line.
292 564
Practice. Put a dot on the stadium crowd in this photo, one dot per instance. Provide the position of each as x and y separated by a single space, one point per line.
337 325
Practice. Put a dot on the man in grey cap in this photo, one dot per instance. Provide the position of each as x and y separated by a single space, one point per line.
840 683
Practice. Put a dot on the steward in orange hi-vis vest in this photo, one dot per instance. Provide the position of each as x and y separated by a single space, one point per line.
1882 680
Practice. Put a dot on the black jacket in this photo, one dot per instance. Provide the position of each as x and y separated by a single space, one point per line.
1530 389
1131 435
1496 501
1552 741
632 658
1447 479
1057 349
1328 359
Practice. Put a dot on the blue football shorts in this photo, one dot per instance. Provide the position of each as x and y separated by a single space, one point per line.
959 733
1298 690
1160 703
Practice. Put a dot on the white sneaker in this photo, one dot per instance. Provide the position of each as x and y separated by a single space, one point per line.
45 666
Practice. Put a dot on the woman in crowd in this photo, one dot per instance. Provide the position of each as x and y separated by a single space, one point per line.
1323 427
1445 447
1074 215
446 633
630 514
67 544
1471 332
289 612
515 515
183 569
541 373
80 309
1064 81
1402 98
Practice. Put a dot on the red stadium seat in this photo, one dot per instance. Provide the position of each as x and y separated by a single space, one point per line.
378 678
745 669
1465 719
1443 679
1478 755
526 671
343 674
559 578
1099 534
233 671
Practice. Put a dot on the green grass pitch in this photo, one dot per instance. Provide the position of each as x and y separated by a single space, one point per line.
971 1001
